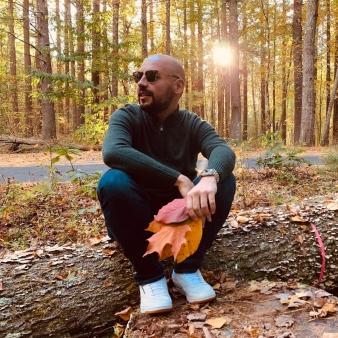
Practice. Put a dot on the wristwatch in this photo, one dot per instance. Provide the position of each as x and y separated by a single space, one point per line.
210 172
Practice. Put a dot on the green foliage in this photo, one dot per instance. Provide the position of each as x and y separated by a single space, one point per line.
93 130
279 157
330 159
87 182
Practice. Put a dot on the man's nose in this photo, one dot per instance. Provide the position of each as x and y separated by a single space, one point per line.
143 82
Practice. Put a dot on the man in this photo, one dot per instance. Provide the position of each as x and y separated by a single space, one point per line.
152 150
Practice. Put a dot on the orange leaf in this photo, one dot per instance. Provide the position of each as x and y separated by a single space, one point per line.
298 219
125 314
299 239
179 241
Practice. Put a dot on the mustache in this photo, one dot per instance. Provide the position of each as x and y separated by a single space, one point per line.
144 92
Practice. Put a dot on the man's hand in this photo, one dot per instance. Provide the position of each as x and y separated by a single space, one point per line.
200 198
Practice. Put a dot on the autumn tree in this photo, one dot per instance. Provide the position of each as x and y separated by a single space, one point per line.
307 135
45 67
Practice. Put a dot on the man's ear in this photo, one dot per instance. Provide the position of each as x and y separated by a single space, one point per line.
179 86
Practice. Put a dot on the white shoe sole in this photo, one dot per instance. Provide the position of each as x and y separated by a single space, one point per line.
154 311
195 301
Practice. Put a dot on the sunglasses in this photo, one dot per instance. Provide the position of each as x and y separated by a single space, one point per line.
151 75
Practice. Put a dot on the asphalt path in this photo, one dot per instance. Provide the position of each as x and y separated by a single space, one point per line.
40 173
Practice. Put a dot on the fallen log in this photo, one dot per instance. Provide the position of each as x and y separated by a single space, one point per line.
15 141
75 291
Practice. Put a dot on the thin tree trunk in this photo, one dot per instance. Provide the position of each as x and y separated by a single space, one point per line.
27 66
96 52
200 63
335 106
307 135
284 83
45 66
78 116
60 111
186 58
12 67
115 66
235 130
326 136
297 65
144 29
167 25
329 110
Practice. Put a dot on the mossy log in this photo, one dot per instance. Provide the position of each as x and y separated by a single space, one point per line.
75 291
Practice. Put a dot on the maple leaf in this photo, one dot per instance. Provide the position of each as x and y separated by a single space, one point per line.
173 212
178 241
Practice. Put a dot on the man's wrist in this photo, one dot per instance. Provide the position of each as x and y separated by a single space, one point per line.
210 172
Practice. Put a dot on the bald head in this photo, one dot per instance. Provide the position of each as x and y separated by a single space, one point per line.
168 64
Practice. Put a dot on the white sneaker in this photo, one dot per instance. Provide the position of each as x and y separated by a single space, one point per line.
194 287
155 297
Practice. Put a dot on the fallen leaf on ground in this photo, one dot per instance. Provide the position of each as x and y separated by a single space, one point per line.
242 219
94 240
216 322
1 288
333 206
292 209
253 331
125 314
293 301
299 238
286 321
197 316
298 219
109 252
330 335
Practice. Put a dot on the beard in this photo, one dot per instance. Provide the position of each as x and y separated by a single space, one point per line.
158 104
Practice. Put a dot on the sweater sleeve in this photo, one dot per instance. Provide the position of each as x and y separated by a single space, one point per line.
219 154
118 153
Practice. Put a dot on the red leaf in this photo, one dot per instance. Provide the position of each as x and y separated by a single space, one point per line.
173 212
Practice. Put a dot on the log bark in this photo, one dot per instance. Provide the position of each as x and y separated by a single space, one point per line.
30 141
75 291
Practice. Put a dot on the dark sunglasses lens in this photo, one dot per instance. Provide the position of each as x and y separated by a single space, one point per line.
150 75
137 76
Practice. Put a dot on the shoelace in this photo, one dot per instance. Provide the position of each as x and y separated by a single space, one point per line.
194 278
154 288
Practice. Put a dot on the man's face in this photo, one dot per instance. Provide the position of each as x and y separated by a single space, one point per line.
155 97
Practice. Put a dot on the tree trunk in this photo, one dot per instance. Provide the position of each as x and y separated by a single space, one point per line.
329 110
200 62
115 54
307 133
335 106
96 53
27 66
167 27
297 63
144 29
235 129
78 117
75 291
12 67
45 66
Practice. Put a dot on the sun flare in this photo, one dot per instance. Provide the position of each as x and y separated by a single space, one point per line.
222 55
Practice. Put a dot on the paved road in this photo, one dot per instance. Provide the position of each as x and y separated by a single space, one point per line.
40 173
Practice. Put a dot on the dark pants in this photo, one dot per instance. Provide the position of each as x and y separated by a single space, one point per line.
128 210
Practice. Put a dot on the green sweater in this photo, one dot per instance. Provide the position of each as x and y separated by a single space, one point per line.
156 154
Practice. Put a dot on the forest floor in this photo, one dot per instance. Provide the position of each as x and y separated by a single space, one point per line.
40 214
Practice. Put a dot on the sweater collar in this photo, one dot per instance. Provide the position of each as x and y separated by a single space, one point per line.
170 121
